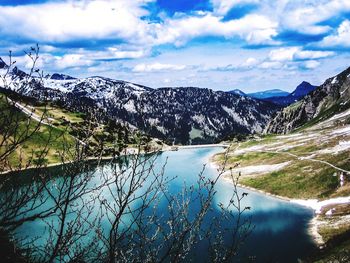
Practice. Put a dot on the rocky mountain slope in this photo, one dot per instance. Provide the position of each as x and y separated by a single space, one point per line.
332 97
180 115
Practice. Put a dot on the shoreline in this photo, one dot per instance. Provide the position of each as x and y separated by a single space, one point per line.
125 152
317 206
313 224
51 165
202 146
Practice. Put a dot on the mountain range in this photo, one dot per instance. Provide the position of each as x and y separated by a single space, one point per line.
187 114
268 94
177 115
280 97
261 94
301 90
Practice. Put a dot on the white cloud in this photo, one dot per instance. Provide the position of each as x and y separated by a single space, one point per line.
73 60
296 53
305 16
222 7
293 58
79 58
71 20
311 54
114 52
157 67
311 64
283 54
254 29
56 62
271 65
118 30
121 20
250 62
340 38
281 58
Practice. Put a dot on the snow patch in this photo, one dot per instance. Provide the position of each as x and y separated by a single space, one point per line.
343 131
289 136
250 149
318 205
260 169
329 212
334 80
340 115
342 146
286 147
130 107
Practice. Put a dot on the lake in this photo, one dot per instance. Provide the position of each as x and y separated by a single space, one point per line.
280 228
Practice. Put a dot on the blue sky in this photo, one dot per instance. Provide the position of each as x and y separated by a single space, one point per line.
220 44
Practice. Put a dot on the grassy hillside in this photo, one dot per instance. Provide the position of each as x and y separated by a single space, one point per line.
44 145
60 130
305 164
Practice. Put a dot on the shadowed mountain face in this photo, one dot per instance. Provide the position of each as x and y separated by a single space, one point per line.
2 64
182 115
58 76
332 97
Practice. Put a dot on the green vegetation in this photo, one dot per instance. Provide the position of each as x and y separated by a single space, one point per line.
338 244
329 232
58 133
303 179
44 146
257 158
306 175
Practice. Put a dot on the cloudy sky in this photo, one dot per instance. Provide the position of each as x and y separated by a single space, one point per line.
220 44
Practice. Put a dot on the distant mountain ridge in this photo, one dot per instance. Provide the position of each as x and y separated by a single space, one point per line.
261 94
301 90
181 115
280 97
268 94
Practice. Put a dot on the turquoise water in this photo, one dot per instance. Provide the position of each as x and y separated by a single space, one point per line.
280 228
